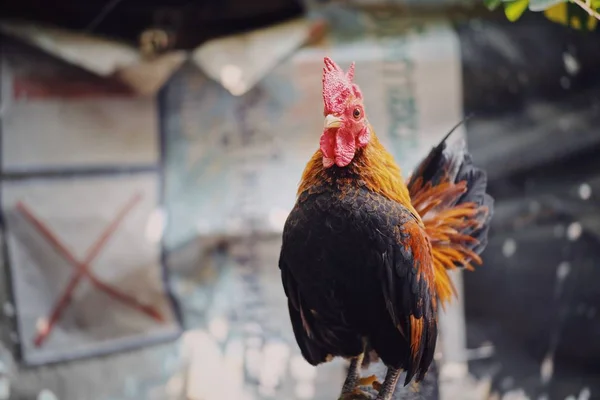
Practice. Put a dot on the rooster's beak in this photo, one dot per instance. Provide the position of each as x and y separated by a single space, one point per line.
331 121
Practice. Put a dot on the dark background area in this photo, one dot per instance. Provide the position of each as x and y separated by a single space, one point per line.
190 22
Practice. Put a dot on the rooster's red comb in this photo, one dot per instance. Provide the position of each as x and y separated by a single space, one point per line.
337 86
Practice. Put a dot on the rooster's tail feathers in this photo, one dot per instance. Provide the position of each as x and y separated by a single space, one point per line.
449 193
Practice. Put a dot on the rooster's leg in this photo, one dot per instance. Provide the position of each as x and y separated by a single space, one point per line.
353 374
389 384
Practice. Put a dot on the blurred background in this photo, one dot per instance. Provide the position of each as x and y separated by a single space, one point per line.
150 154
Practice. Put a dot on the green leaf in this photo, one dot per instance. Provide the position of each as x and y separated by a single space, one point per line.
570 14
492 4
541 5
579 18
564 12
515 9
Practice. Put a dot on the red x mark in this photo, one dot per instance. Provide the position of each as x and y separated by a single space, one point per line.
83 269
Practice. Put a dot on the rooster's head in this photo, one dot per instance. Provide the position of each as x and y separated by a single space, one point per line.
346 127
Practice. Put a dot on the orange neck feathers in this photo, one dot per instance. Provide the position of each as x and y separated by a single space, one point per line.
373 164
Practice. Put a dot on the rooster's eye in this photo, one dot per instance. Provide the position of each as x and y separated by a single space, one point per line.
356 113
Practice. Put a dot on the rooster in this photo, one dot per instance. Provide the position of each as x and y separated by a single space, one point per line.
365 255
